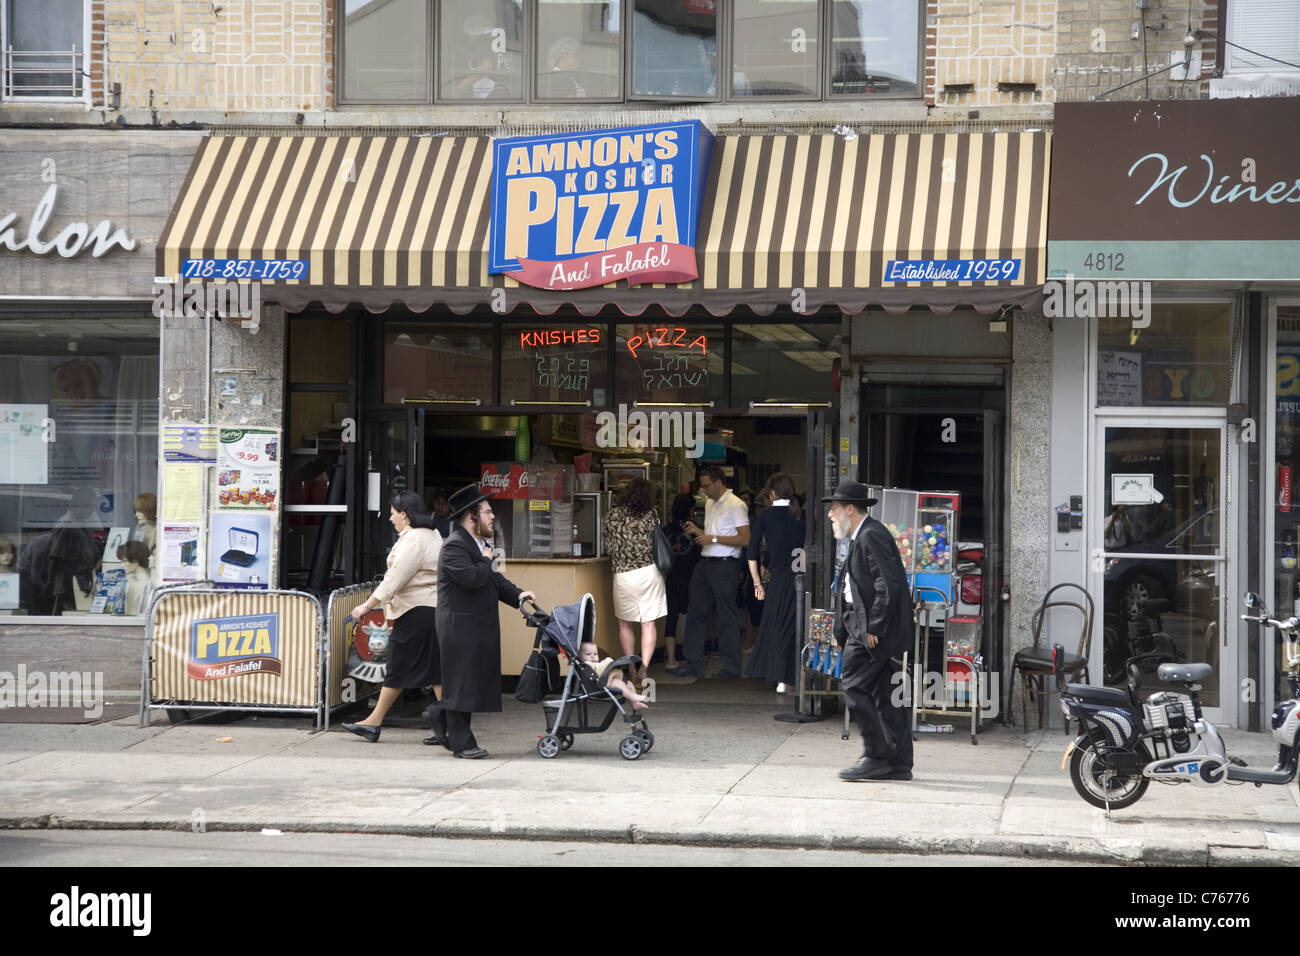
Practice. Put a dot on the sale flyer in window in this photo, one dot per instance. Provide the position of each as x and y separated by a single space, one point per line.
248 469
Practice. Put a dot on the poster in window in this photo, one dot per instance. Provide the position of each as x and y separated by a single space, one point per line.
24 449
1119 378
248 469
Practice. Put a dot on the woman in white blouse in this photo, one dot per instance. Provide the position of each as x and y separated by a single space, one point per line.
409 594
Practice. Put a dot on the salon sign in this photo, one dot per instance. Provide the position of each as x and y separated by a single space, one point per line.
576 210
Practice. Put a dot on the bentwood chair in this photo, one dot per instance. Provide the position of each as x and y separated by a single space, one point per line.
1035 662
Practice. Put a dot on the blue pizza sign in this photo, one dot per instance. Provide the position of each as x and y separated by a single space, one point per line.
575 210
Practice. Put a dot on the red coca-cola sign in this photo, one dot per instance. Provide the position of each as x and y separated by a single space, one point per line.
516 482
1284 488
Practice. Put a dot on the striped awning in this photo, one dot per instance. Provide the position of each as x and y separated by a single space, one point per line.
388 220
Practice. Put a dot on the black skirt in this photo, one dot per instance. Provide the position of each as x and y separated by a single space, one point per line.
773 656
414 659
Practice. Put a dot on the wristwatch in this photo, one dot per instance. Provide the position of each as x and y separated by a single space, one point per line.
715 539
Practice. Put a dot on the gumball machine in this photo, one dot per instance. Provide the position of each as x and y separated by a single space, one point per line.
935 540
898 515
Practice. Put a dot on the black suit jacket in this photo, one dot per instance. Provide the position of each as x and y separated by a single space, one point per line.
469 631
882 600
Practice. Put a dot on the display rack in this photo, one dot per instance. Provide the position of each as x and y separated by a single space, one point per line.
958 686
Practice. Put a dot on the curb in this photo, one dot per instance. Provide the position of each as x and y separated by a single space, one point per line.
1115 853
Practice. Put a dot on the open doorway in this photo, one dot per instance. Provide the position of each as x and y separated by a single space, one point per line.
949 438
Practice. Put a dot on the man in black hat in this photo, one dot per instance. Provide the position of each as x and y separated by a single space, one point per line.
469 631
873 625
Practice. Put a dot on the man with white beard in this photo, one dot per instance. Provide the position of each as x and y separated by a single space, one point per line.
873 625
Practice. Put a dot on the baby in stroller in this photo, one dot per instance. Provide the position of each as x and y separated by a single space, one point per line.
593 693
588 653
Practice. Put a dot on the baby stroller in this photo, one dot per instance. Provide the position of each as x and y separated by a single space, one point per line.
562 631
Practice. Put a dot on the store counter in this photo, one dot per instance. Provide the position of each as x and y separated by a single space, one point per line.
556 581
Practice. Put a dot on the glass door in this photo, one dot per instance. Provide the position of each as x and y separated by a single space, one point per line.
1160 565
393 449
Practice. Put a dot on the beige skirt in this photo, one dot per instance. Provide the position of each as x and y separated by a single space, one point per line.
640 595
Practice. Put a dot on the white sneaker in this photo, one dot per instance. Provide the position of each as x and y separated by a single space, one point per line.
782 689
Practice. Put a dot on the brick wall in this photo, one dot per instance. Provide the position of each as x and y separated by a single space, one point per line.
987 42
236 55
1096 49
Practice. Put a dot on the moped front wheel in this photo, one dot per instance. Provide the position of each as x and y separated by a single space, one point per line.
1100 786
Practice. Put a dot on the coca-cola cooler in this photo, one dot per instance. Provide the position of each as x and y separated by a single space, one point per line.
534 508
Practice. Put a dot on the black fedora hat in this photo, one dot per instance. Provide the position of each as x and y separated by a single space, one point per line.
465 499
852 492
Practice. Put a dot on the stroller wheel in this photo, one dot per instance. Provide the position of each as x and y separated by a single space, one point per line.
548 746
630 747
647 740
566 741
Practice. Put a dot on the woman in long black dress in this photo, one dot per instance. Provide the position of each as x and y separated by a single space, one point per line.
409 594
778 529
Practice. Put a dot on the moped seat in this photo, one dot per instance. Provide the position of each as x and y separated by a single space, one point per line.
1109 696
1184 673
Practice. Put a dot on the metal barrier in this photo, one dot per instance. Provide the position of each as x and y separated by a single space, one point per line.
219 649
337 639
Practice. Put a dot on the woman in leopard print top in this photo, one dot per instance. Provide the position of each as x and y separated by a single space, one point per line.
639 593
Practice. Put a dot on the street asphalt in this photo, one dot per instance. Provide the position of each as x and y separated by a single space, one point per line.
722 772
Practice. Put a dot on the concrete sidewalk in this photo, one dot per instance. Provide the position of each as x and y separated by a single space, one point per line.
722 772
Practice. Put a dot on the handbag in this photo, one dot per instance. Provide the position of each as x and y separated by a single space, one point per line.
663 552
540 676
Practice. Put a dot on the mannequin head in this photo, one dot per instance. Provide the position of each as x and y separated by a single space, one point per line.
134 555
146 508
8 554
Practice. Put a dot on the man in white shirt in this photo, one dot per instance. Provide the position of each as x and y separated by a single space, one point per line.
716 580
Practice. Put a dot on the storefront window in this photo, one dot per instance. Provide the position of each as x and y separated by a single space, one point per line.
554 362
777 48
437 363
782 363
385 51
670 361
324 353
78 464
674 49
579 50
874 47
1286 526
1180 359
481 47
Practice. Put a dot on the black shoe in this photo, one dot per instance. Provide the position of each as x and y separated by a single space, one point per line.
899 773
437 741
477 753
683 670
868 768
361 730
435 718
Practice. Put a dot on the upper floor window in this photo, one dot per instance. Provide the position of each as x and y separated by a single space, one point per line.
43 49
1265 32
615 51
